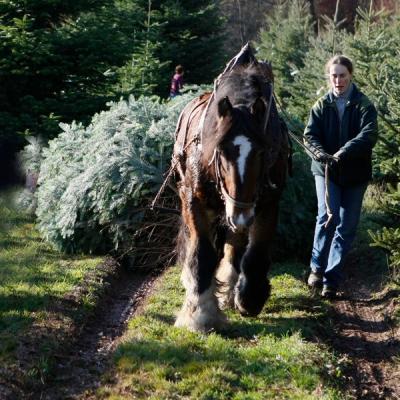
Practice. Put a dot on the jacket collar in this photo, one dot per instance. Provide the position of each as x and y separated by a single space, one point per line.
355 97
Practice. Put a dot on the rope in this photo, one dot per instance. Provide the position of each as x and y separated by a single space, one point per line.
328 208
310 149
176 161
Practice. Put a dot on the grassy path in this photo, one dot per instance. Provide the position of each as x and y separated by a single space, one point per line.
300 347
40 301
61 322
274 356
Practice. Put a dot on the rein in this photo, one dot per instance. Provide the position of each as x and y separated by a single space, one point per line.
311 151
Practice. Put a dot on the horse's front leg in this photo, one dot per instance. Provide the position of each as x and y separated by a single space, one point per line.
253 287
229 269
200 311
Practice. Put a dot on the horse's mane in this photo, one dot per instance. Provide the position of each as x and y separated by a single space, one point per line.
243 85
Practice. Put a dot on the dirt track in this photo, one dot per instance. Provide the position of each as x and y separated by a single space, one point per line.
79 371
84 347
365 332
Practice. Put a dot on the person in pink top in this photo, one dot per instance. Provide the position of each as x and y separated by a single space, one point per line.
176 82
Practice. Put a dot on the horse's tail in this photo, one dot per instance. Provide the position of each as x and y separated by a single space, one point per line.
181 243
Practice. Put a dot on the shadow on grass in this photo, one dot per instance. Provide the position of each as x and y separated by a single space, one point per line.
24 302
224 370
281 317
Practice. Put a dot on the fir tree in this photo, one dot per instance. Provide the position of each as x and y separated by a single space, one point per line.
284 41
61 61
95 181
375 47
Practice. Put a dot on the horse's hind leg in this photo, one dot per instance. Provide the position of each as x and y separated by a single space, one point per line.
200 311
229 269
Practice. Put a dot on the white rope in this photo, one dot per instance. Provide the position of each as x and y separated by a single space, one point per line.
328 209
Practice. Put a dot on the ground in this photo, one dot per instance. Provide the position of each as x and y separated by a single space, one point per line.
311 348
367 333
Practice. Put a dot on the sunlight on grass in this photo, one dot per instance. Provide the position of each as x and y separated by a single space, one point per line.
269 357
32 275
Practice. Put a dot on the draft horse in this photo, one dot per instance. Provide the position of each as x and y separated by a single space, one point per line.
231 154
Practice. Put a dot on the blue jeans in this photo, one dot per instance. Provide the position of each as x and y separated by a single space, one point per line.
332 243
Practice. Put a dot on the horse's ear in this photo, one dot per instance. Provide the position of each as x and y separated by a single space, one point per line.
224 107
258 108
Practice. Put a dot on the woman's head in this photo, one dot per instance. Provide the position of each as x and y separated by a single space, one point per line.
339 70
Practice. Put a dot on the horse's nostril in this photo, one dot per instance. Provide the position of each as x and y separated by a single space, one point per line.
250 221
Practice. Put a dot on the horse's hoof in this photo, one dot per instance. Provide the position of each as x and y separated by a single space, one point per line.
201 319
251 297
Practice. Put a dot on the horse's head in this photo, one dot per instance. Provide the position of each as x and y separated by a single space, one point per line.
239 159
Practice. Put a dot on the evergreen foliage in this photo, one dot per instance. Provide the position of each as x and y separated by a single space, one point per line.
310 81
285 40
374 48
62 60
297 212
95 181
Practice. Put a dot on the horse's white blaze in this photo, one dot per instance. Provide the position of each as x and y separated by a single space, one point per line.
244 149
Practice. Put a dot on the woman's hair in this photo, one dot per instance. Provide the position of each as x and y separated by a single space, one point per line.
341 60
179 69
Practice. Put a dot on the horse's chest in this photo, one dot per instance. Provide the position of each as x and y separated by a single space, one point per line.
211 196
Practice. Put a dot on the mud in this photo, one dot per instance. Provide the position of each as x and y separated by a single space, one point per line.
366 333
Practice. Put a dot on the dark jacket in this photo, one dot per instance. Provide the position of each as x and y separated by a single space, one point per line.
356 135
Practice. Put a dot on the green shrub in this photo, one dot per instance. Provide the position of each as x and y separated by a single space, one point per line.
297 212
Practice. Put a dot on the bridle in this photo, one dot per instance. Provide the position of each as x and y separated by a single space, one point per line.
226 197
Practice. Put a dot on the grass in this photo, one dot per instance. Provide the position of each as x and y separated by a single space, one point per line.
273 356
33 277
278 355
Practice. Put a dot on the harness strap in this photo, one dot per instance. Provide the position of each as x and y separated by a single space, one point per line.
236 203
221 186
190 119
269 106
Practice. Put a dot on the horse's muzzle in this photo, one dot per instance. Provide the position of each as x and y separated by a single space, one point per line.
240 222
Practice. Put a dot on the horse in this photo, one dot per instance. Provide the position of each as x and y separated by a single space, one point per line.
231 154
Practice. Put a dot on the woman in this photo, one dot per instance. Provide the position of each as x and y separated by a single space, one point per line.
342 124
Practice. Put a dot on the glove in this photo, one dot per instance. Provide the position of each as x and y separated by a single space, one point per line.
325 158
338 155
321 157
